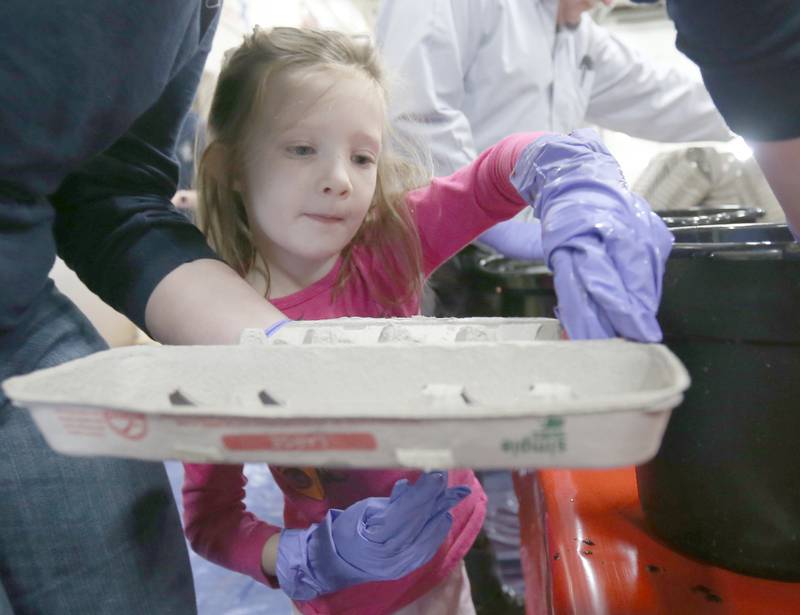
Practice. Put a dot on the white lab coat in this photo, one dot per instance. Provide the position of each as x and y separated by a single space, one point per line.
475 71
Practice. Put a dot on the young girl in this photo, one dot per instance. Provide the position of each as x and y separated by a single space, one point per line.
300 192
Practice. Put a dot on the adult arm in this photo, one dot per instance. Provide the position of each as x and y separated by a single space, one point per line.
74 82
206 302
749 55
635 95
115 226
780 163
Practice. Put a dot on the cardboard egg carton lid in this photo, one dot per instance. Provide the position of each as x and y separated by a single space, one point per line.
355 369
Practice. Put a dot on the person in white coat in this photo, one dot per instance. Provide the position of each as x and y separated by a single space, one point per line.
477 70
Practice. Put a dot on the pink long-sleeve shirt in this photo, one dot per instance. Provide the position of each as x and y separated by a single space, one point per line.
449 213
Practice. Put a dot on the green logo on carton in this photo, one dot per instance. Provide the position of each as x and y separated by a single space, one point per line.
549 438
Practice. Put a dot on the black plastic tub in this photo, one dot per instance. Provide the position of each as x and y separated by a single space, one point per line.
478 283
705 216
725 485
516 288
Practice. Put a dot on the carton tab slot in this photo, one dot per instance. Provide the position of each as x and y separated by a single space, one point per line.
267 399
177 398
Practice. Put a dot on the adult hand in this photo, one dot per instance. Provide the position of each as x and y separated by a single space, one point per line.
517 239
605 246
375 539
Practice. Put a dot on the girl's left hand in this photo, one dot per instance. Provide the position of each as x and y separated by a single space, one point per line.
374 539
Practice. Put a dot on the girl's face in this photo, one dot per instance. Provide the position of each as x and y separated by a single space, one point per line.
312 167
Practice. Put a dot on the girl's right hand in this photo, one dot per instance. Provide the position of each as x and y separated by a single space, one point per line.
605 246
375 539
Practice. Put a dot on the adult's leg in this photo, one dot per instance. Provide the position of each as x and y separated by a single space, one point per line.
81 535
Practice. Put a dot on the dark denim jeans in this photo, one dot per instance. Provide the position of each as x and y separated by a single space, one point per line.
80 535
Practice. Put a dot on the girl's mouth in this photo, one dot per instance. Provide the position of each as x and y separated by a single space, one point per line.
324 219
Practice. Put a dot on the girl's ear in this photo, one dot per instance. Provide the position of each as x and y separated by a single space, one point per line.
218 161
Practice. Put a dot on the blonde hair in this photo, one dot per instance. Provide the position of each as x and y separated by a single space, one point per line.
241 91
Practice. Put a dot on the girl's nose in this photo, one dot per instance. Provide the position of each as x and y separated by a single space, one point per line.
336 182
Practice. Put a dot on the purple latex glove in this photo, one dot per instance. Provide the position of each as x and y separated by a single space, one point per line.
375 539
516 239
605 246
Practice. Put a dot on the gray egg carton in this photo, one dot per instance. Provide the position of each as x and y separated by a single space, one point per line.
369 393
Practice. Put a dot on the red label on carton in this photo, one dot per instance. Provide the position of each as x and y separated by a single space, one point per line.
300 442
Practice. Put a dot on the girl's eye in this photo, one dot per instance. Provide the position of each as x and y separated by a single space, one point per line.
300 150
363 160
